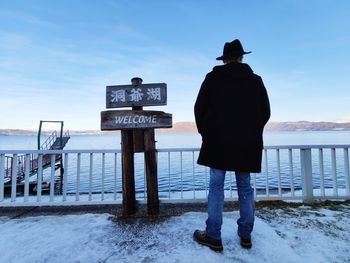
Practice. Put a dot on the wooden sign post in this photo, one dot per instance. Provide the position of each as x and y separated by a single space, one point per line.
137 135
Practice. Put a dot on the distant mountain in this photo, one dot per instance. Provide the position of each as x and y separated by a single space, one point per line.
17 132
274 126
307 126
180 127
191 127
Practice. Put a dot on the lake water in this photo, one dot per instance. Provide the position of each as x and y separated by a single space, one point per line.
179 140
183 175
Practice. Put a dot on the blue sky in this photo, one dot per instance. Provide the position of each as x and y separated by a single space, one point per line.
57 57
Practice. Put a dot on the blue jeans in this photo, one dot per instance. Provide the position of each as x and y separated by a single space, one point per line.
216 204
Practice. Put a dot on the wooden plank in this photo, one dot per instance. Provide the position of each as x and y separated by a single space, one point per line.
127 119
152 94
128 179
151 173
139 144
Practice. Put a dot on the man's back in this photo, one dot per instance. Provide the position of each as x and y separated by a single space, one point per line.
236 95
231 111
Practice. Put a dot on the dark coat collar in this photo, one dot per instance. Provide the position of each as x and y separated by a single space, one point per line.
234 69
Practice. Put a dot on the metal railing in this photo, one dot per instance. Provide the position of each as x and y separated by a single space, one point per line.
49 141
94 176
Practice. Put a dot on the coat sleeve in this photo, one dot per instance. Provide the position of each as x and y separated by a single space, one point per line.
265 105
201 105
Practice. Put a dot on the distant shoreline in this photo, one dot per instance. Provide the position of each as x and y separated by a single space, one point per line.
190 127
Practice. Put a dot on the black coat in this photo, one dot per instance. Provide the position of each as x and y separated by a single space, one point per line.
231 111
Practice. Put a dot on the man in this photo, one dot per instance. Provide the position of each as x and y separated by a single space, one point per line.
231 111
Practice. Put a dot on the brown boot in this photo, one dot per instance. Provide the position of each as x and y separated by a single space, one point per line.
246 243
202 238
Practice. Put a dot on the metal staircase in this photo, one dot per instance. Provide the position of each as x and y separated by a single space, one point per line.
53 142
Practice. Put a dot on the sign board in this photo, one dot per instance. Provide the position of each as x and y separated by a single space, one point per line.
128 119
153 94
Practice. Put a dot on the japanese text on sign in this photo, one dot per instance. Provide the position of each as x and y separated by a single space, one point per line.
136 95
142 95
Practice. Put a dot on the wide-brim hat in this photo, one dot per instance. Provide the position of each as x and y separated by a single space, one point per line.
232 49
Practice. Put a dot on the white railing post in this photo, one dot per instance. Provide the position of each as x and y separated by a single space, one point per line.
320 160
334 172
206 181
169 173
26 178
144 181
279 172
2 176
65 177
266 173
290 153
254 185
103 176
182 197
193 177
306 175
346 172
90 176
14 178
77 190
230 177
115 175
40 177
52 177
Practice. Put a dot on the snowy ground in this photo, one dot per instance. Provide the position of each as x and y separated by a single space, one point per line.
299 234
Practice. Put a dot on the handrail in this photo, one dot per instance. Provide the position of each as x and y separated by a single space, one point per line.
66 134
273 147
59 151
298 172
49 141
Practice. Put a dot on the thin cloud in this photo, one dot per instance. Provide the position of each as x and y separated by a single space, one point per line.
18 16
13 41
127 31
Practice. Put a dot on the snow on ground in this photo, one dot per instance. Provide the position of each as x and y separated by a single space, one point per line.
300 234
